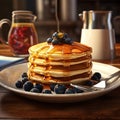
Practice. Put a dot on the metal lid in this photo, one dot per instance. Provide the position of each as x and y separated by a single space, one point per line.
22 12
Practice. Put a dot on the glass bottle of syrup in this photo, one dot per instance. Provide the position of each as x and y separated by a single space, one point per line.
22 33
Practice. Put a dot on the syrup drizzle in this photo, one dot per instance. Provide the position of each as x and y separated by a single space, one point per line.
68 49
56 16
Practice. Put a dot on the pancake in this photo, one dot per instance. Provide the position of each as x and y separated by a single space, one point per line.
60 63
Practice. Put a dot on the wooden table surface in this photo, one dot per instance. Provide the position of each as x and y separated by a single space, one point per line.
15 107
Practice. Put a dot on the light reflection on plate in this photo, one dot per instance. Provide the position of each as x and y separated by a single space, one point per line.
10 75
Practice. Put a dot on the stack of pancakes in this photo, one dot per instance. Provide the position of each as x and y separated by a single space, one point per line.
61 63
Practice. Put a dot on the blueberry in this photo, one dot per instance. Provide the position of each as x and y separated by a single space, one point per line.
96 76
19 84
68 41
89 83
49 40
24 79
39 87
52 86
55 34
24 75
59 89
76 90
46 91
61 40
28 86
65 35
69 91
35 90
55 42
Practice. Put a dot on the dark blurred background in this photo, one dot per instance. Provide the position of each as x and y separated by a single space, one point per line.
68 11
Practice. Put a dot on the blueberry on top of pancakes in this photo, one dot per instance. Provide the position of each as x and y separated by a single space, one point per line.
59 38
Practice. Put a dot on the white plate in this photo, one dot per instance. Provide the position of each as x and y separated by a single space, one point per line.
10 75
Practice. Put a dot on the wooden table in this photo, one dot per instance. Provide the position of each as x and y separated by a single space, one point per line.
106 107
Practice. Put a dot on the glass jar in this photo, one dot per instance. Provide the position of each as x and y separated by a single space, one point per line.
22 33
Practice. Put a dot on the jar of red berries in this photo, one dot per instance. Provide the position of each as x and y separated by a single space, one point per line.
22 32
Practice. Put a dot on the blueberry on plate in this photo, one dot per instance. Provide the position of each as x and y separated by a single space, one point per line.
69 91
28 86
46 91
77 90
38 86
19 84
52 86
35 90
59 89
96 76
89 83
24 75
24 79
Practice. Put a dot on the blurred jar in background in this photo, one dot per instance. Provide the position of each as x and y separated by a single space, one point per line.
22 32
45 9
68 10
